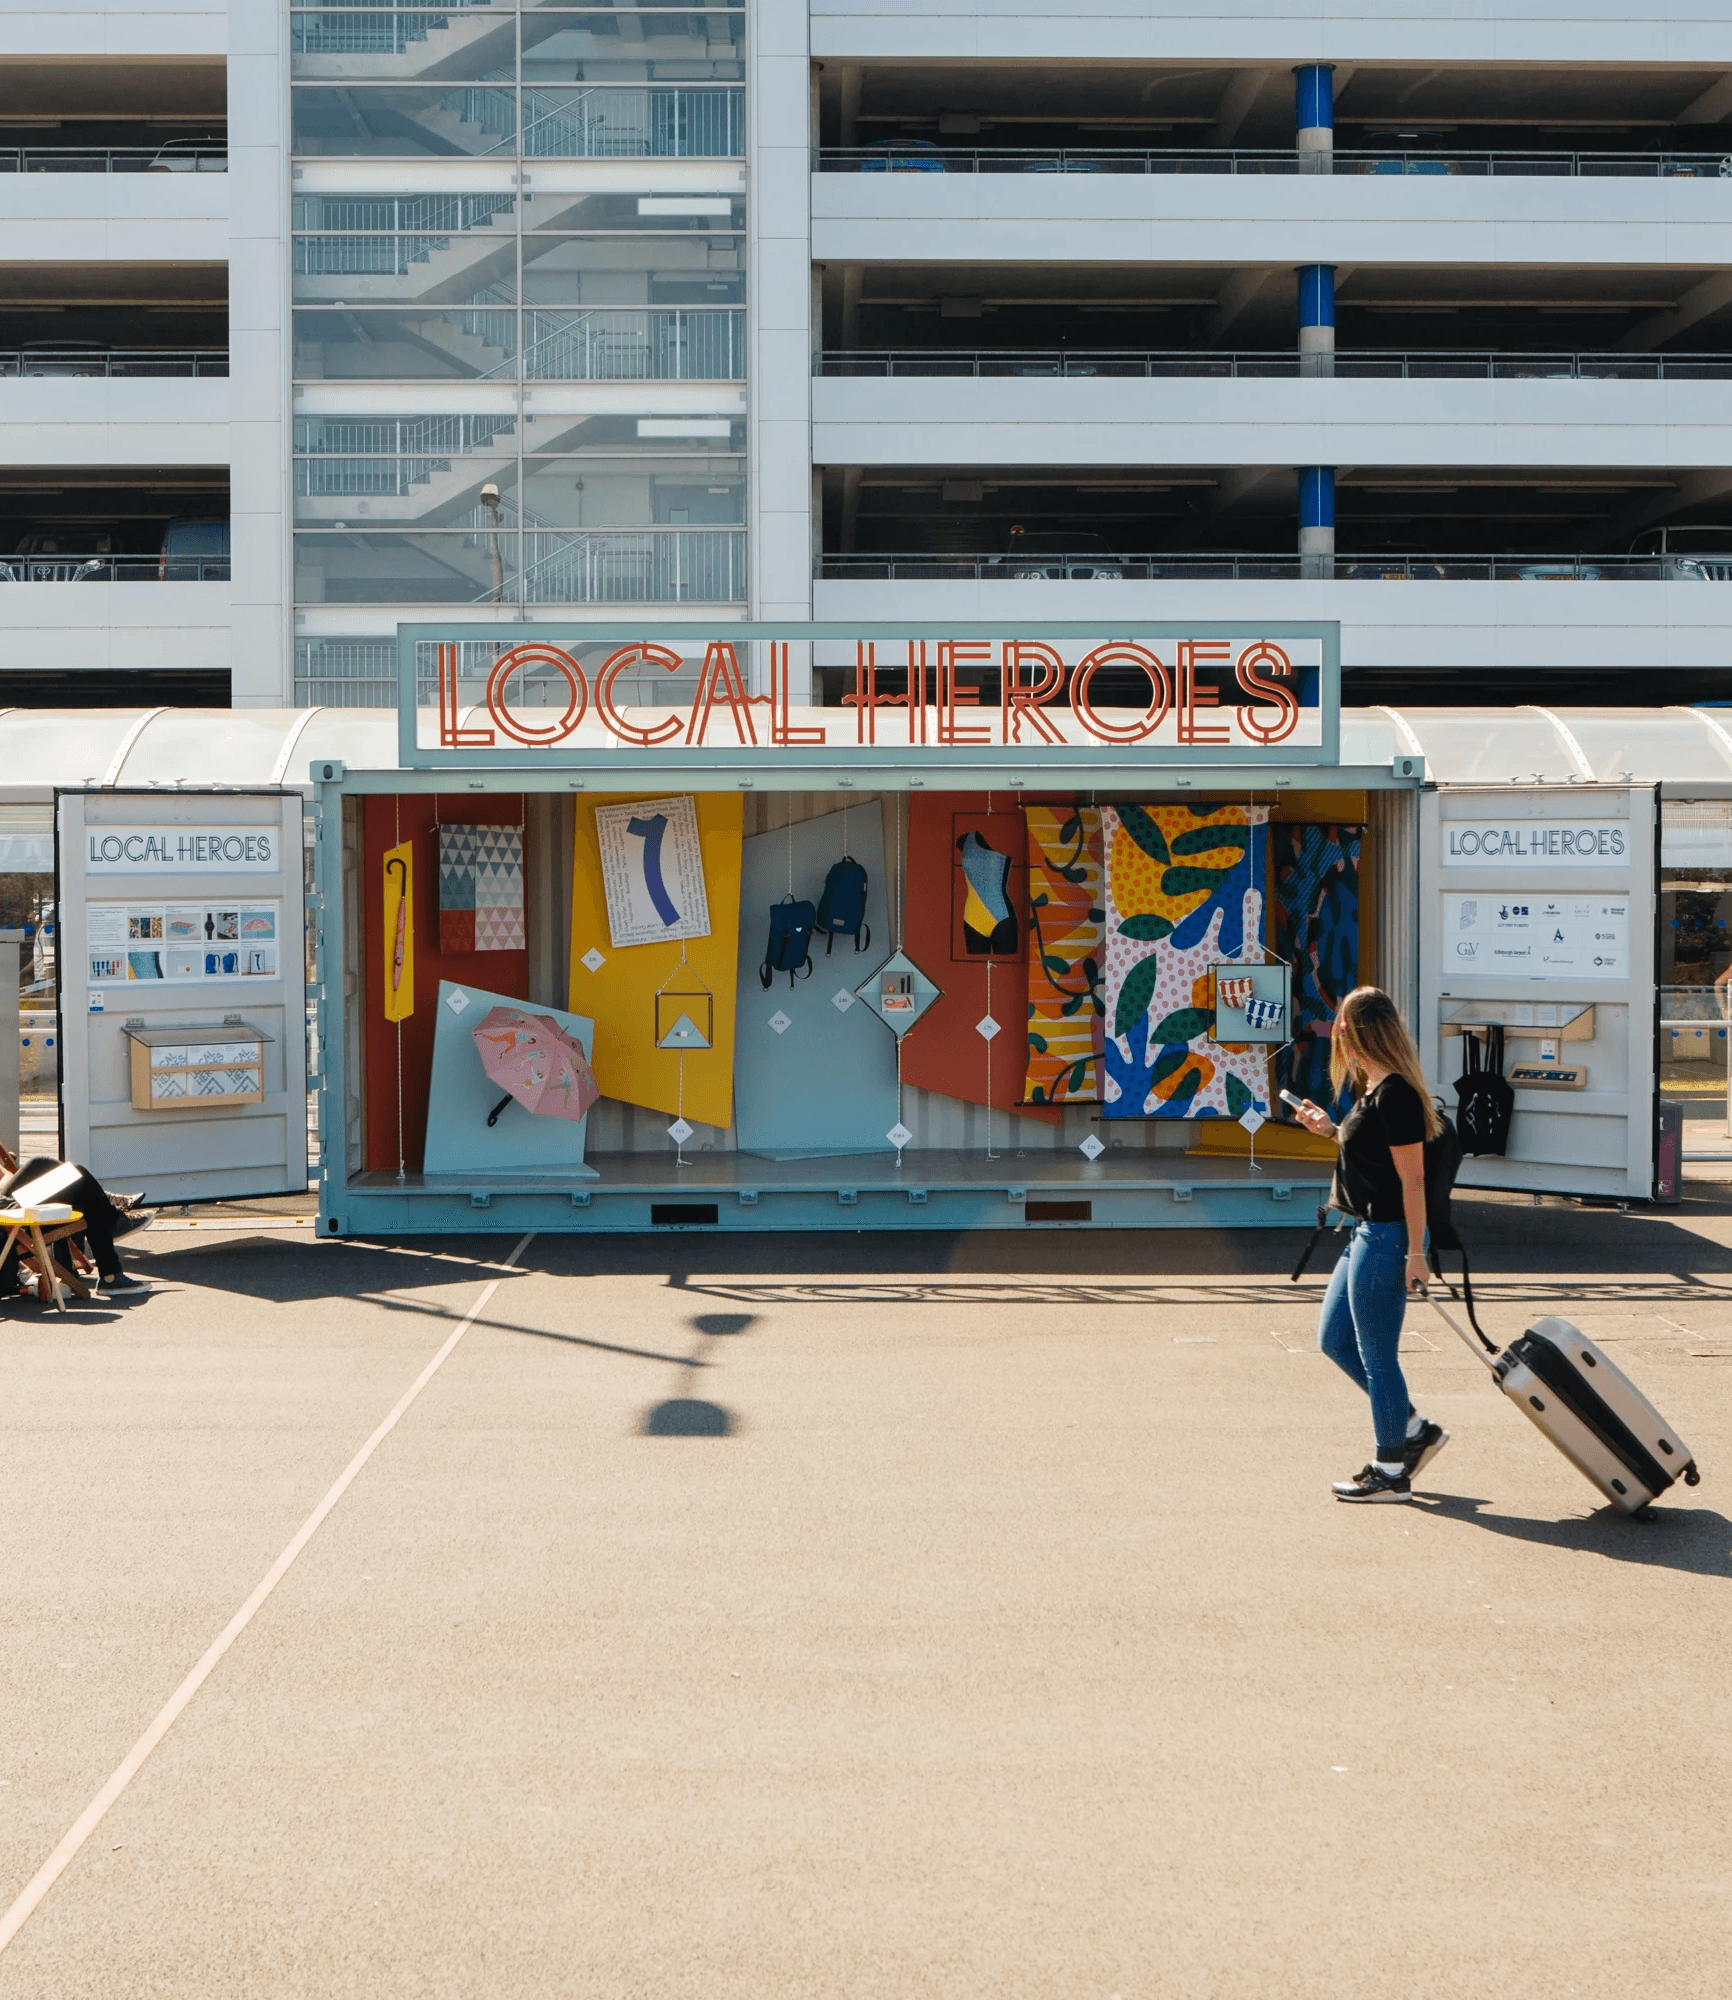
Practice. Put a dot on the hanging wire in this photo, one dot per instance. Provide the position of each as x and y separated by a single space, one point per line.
990 1154
397 836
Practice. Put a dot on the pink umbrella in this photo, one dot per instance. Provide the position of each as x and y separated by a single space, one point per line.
533 1059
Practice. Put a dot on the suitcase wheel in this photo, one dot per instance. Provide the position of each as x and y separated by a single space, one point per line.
1691 1476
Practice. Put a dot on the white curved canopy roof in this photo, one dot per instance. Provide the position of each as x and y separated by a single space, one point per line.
1686 749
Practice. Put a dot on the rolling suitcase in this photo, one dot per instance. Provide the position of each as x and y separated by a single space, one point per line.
1575 1394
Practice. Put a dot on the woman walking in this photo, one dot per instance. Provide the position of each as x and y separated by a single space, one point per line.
1380 1184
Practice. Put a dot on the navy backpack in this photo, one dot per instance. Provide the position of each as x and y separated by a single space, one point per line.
790 947
842 906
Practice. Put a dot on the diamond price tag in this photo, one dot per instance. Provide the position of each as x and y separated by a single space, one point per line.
899 1135
1091 1148
1252 1118
780 1022
679 1131
458 1002
841 1000
593 959
986 1027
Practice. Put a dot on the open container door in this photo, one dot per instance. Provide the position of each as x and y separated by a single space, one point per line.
183 991
1537 915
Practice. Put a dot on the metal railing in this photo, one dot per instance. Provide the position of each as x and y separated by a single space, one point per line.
374 31
607 121
903 156
114 569
114 361
174 158
1440 364
635 346
1205 566
645 566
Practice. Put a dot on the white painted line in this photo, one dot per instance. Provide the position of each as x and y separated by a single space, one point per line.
133 1762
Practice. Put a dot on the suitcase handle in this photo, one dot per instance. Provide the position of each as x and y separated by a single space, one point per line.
1483 1350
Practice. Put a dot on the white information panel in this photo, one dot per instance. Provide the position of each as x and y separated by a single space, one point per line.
180 912
1537 915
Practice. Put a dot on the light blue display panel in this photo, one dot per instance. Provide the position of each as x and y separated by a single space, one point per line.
459 1138
825 1084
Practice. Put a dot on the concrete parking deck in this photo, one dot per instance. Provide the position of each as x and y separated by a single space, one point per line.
833 1616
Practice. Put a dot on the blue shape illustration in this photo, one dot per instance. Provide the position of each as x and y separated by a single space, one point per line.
650 832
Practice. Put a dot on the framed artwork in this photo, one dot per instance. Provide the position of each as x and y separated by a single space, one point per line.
652 871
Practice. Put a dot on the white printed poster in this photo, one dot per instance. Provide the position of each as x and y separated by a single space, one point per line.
652 871
181 943
1524 936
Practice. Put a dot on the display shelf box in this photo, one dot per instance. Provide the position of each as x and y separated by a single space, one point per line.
197 1068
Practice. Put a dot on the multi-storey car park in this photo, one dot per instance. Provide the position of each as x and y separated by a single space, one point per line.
322 323
784 311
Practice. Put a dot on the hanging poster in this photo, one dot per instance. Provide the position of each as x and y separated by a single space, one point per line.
1067 932
1183 893
481 888
181 943
652 869
1315 873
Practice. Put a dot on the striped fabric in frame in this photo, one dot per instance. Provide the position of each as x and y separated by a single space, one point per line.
1067 928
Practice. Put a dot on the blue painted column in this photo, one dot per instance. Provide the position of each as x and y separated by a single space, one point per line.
1316 319
1314 117
1316 520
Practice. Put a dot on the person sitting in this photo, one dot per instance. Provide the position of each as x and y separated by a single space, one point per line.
102 1221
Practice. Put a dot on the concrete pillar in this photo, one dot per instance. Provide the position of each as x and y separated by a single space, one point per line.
1314 117
1316 520
1316 319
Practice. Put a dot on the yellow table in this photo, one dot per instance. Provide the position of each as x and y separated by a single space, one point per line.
60 1222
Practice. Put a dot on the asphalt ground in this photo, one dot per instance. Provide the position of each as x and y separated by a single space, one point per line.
857 1616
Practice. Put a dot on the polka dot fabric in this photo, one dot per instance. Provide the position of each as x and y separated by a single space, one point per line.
1177 903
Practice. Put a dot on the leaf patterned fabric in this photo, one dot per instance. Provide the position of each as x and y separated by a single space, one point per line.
1316 890
1067 928
1182 893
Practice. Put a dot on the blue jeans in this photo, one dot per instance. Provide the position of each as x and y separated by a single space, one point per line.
1360 1326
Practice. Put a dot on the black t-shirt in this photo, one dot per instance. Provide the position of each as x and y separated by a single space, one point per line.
1392 1113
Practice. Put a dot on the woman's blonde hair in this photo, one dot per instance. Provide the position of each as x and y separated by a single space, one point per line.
1368 1029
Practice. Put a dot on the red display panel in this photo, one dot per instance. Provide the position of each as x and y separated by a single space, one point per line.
385 822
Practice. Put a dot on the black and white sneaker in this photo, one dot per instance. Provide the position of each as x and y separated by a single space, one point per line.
1422 1448
125 1288
1374 1485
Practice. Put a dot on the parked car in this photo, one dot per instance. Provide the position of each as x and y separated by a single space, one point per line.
191 156
194 551
1697 554
61 555
1065 555
903 156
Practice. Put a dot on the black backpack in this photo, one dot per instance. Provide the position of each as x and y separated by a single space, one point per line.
1484 1095
1443 1157
842 906
790 947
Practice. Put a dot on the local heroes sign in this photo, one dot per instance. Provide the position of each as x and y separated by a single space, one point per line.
1241 693
180 850
1527 843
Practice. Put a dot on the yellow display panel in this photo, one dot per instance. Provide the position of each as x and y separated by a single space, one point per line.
619 994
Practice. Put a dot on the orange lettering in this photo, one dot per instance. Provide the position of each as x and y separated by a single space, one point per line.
954 653
1122 652
1021 698
536 653
1194 653
720 678
641 654
1272 686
